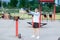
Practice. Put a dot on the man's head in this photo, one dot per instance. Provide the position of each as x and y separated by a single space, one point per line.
36 9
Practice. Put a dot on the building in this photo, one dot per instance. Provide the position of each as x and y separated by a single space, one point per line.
57 2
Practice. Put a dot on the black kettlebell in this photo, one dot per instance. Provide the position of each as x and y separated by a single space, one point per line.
59 38
19 36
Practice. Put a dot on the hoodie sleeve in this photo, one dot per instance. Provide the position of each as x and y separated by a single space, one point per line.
31 12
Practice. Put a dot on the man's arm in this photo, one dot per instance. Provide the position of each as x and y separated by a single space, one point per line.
30 12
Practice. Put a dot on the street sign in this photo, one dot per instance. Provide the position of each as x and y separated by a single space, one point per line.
46 0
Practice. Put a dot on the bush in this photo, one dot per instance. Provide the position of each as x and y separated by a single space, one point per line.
57 9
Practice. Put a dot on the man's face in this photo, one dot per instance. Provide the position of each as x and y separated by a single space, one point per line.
36 10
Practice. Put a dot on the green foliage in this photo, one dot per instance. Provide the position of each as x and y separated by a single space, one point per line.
47 7
49 4
28 4
4 4
13 3
0 3
57 9
22 3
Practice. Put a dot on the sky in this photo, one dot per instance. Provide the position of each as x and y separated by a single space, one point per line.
6 0
56 1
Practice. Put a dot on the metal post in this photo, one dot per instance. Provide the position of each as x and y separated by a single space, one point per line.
40 8
16 27
54 11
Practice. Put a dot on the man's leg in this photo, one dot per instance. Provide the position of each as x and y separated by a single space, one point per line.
36 31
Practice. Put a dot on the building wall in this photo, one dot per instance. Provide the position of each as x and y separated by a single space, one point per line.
58 2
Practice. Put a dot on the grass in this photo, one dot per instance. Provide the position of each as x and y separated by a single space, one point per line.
26 16
57 16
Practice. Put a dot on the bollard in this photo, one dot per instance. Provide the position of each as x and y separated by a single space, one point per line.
16 19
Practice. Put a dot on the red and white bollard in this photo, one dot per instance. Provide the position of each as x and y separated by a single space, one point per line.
16 27
17 23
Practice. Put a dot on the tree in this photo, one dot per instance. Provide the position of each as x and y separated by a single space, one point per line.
4 4
13 3
50 5
0 3
28 3
33 4
58 9
22 3
45 8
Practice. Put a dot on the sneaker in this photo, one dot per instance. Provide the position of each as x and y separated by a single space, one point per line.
33 36
37 37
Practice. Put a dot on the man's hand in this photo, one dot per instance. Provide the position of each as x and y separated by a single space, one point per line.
27 11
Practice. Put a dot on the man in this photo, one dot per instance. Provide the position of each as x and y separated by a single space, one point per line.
35 22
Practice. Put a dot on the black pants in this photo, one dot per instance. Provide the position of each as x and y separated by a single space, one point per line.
50 15
45 16
36 25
